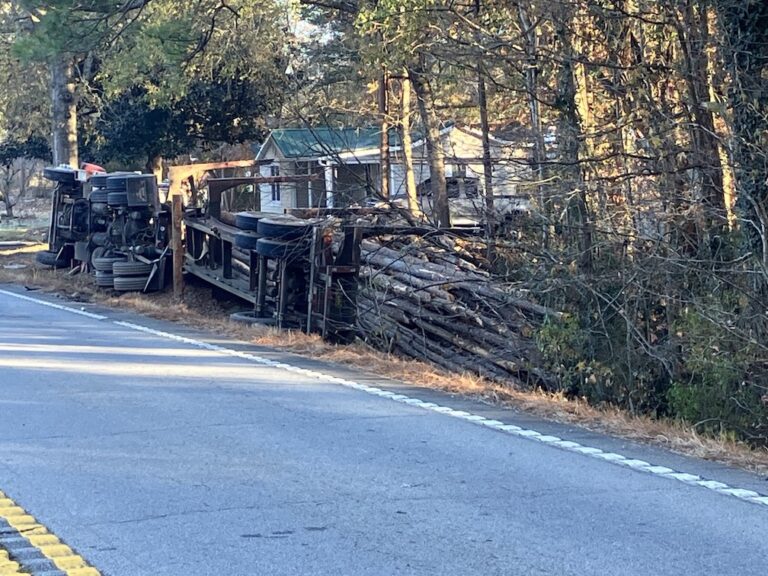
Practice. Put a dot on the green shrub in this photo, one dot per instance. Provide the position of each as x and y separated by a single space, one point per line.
721 381
565 348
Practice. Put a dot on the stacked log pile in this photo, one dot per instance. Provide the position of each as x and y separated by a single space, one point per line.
430 301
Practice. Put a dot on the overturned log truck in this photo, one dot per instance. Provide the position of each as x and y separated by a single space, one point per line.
344 273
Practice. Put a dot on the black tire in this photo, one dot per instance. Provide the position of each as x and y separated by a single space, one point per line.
51 259
130 283
284 228
117 199
104 279
61 175
98 252
104 264
99 180
281 250
250 220
128 269
116 182
246 240
99 197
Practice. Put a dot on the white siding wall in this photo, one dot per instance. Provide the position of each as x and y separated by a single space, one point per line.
287 190
463 148
511 176
396 180
266 193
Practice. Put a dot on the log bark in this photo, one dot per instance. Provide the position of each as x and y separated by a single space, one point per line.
421 302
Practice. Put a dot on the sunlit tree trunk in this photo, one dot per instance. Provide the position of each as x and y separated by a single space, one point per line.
746 25
405 122
693 36
435 151
723 132
64 112
384 144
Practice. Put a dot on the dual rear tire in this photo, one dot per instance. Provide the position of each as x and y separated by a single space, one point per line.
131 276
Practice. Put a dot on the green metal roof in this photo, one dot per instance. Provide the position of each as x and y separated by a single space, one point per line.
324 141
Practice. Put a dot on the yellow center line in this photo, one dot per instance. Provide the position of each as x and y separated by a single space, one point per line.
41 539
8 567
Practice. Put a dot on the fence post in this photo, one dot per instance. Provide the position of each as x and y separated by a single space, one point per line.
177 211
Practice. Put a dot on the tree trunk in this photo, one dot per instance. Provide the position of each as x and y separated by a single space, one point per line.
570 136
531 44
384 145
490 212
435 151
693 36
482 104
747 25
64 112
723 131
405 122
23 178
155 166
8 174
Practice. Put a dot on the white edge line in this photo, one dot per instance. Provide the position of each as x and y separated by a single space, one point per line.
611 458
567 445
53 305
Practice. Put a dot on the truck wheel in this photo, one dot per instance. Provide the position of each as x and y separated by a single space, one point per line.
246 240
116 182
47 258
117 199
99 180
129 269
105 264
279 249
250 220
104 279
130 283
99 197
284 228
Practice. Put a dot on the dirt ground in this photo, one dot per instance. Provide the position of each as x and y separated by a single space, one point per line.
202 310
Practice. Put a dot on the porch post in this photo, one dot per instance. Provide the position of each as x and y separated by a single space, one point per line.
328 185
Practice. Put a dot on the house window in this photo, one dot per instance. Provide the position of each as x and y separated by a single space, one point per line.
275 171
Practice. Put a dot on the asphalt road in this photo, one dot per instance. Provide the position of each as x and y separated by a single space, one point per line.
154 457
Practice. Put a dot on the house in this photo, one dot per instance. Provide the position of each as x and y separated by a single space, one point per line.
316 152
346 166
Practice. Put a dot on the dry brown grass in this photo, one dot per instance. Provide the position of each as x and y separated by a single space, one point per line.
201 311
